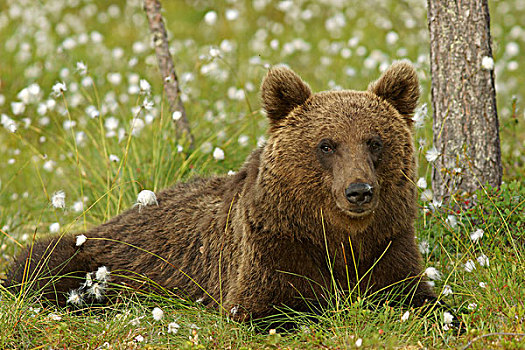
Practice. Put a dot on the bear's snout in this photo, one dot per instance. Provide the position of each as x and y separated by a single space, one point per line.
359 193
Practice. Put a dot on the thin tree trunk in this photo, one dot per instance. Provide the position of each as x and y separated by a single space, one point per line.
466 128
167 68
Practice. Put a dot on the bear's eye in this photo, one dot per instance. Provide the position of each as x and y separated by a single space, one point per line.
375 145
327 146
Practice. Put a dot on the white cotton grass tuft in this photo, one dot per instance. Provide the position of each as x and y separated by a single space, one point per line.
218 154
405 316
447 290
470 266
359 342
432 154
8 123
427 195
173 327
421 183
420 115
59 88
54 227
81 239
476 235
97 290
145 198
433 273
74 297
176 115
102 274
157 313
58 200
447 317
487 63
483 260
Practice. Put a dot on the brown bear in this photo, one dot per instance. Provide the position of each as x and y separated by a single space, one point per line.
328 200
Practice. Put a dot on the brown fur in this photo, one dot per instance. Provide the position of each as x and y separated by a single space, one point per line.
262 237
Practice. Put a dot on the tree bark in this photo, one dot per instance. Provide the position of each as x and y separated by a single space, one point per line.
167 68
465 126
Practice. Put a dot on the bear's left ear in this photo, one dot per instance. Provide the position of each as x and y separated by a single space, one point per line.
399 86
282 90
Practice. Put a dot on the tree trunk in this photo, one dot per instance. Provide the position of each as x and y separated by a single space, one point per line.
167 69
466 128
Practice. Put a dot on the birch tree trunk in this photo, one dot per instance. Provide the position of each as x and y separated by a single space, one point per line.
465 125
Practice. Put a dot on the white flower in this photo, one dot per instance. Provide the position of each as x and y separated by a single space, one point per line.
476 235
405 316
114 158
102 274
92 111
424 247
447 317
234 310
173 327
218 153
452 221
487 63
54 227
210 18
512 49
243 140
157 313
232 14
74 298
147 104
97 290
89 280
482 285
472 306
81 68
111 123
78 206
59 88
272 331
433 273
176 115
58 200
420 115
137 125
214 52
206 147
427 195
359 342
81 239
144 86
432 154
18 108
54 317
470 266
8 123
421 183
139 338
145 198
483 260
447 290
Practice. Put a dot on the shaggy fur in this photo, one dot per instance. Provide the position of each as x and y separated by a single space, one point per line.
262 237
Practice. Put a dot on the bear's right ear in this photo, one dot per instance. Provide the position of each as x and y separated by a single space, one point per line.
282 90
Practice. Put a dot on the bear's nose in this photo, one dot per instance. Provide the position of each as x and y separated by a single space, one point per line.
359 193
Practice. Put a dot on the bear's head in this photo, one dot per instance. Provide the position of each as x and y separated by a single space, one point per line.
346 153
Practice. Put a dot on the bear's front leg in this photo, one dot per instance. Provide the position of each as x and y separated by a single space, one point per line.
398 268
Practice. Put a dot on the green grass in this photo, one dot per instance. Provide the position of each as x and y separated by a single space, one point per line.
41 42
